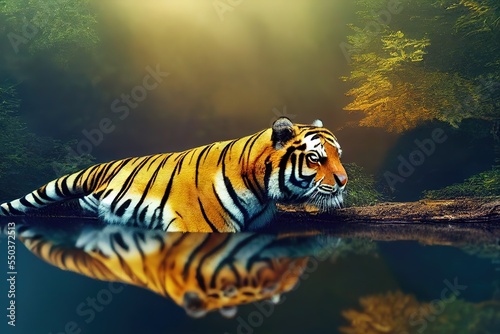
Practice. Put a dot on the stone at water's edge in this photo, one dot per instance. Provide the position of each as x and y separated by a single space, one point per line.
461 210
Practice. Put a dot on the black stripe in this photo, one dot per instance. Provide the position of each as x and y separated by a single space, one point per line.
58 191
106 193
158 156
229 259
123 207
267 173
170 222
119 240
64 255
223 154
234 196
255 191
236 273
88 182
207 220
77 178
142 215
233 217
192 255
251 146
136 237
123 263
331 141
148 186
282 168
275 244
293 178
181 161
244 148
199 267
43 195
253 138
128 183
192 151
325 133
262 192
26 203
37 199
175 244
307 178
97 177
206 154
64 187
89 203
165 196
116 170
198 161
97 195
13 211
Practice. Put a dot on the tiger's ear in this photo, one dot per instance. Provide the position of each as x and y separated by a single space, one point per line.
317 123
282 132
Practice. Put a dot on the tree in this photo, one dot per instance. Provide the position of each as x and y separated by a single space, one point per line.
64 27
47 34
27 160
433 61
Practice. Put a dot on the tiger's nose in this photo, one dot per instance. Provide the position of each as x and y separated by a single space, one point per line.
340 178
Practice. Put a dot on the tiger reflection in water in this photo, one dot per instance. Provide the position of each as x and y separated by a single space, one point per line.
201 272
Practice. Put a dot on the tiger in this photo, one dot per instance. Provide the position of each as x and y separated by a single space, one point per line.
226 186
200 272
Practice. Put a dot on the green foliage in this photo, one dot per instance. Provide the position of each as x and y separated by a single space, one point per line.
476 16
360 189
480 185
63 27
28 161
389 84
433 61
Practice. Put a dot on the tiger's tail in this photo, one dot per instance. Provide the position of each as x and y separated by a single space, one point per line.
58 190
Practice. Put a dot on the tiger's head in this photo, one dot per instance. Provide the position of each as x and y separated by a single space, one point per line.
306 165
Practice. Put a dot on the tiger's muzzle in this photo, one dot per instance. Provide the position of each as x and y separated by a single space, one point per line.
337 188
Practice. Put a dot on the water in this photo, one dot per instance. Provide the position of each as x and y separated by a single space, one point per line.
408 278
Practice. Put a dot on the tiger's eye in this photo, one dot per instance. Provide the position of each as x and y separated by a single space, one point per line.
313 158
